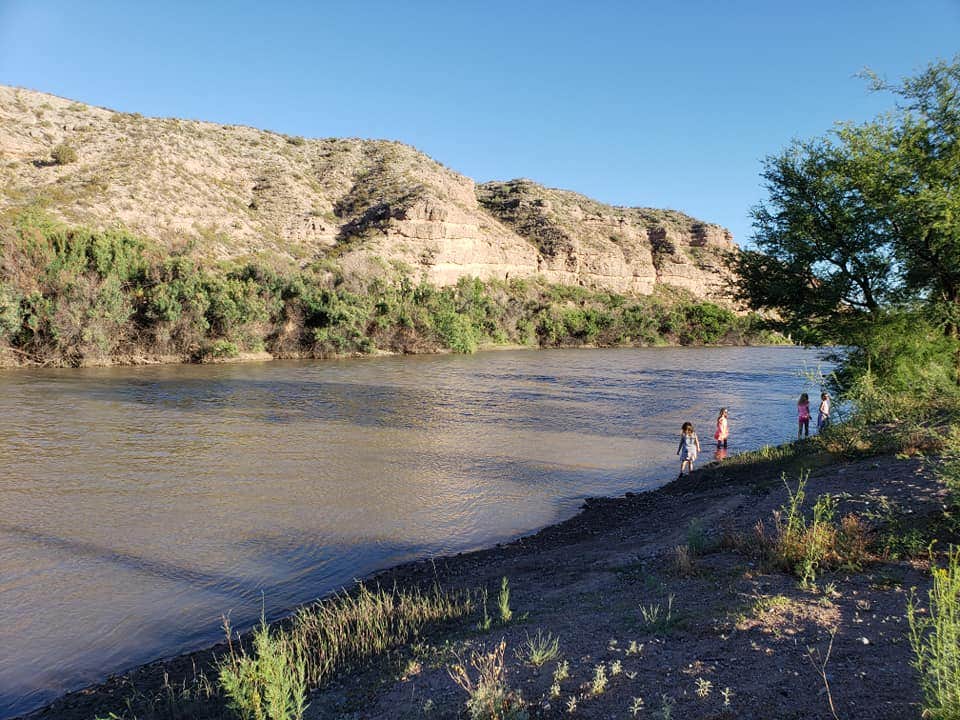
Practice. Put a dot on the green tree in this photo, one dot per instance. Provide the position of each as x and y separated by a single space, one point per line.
865 221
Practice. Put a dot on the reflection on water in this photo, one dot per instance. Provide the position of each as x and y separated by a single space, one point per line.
141 503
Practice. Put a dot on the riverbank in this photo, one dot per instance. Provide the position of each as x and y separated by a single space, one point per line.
708 631
75 297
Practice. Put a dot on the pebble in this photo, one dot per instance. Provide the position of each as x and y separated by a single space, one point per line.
865 641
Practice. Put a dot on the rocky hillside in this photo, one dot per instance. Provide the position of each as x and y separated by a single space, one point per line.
221 191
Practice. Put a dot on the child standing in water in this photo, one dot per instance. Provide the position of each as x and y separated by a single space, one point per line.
803 416
723 429
823 417
688 448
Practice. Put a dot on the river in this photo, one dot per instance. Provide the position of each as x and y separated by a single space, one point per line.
142 503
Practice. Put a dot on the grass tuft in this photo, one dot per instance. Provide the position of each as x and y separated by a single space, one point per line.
540 649
348 630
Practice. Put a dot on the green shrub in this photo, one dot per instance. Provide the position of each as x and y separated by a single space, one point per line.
223 349
268 684
63 154
10 315
935 641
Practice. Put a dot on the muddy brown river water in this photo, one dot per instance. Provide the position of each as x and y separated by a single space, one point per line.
140 504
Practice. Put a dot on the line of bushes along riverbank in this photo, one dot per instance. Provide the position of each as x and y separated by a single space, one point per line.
74 296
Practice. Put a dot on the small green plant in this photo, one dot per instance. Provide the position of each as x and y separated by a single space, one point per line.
634 648
703 687
935 640
616 667
486 622
599 682
555 690
503 601
488 695
666 708
572 704
539 650
697 540
727 695
636 706
63 154
562 671
657 617
268 684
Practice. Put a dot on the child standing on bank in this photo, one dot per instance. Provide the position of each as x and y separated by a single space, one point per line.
823 417
688 448
723 429
803 416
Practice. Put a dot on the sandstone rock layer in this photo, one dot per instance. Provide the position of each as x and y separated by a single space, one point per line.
233 192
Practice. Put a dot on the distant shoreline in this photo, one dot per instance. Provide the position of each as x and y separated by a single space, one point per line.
147 360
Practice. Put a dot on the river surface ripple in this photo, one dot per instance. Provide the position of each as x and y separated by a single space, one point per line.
140 504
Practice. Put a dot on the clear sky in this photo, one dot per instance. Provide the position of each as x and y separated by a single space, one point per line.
663 104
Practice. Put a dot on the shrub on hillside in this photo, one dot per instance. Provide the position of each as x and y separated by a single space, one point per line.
63 154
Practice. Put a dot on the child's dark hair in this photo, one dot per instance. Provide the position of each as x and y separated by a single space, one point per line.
804 399
824 396
686 426
720 414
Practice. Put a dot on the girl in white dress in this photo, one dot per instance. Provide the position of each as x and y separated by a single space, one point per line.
688 448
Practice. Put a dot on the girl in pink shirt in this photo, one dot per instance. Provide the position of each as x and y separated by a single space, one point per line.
803 416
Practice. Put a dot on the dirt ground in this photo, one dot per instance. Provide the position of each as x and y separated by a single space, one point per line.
731 641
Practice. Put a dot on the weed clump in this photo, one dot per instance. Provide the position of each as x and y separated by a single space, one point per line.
658 618
935 641
489 697
806 547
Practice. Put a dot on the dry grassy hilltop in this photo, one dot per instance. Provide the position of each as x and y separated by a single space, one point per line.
219 191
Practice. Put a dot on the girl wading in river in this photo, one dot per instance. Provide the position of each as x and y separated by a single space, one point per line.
803 416
723 429
688 448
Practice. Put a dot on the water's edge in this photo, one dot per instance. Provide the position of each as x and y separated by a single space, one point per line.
420 567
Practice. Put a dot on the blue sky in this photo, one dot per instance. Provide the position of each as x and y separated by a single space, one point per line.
663 104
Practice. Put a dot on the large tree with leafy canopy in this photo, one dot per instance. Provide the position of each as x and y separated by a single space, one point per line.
866 220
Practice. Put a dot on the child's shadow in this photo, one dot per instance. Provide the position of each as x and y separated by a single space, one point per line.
720 453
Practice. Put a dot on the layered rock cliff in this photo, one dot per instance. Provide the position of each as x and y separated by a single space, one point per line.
230 191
